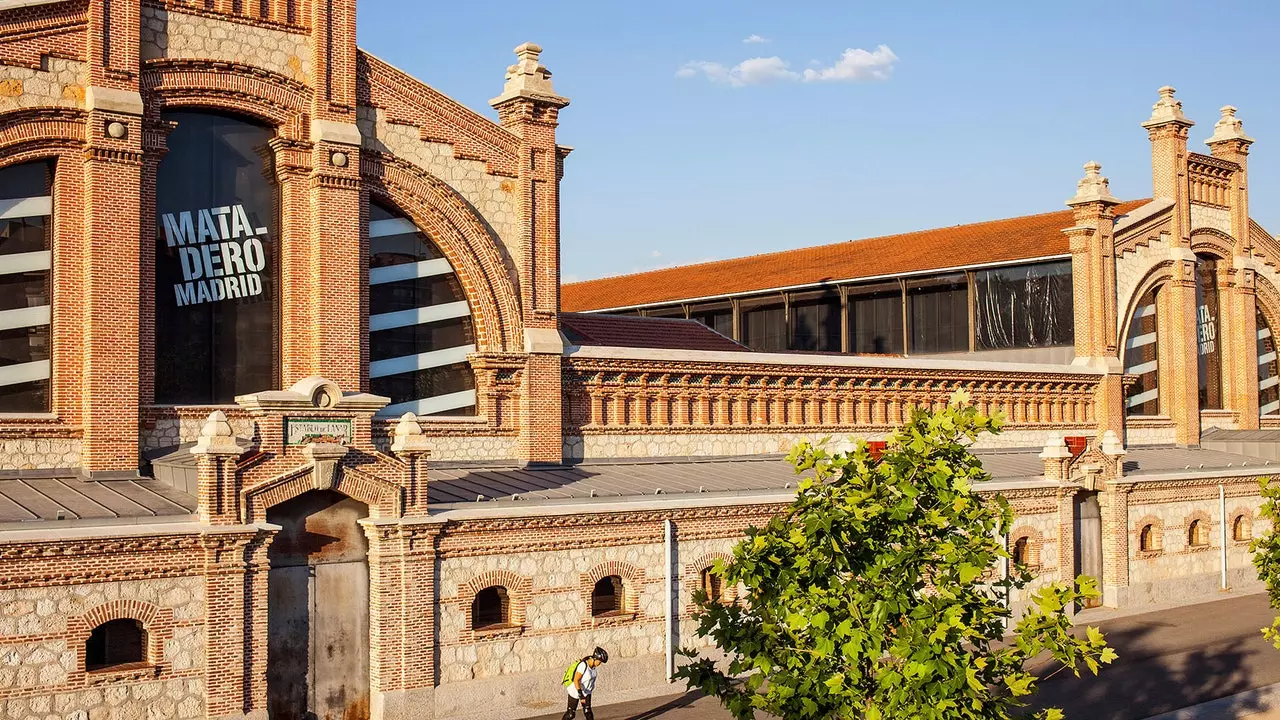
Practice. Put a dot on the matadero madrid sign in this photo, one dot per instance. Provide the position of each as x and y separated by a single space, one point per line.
220 251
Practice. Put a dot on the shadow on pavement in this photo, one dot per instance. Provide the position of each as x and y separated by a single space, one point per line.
683 701
1153 675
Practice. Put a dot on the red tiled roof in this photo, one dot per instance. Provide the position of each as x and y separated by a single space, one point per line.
1020 238
644 332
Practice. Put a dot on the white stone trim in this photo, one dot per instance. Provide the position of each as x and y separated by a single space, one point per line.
25 372
432 405
15 208
26 317
421 361
15 4
1138 215
1142 368
26 262
418 316
1142 398
390 227
858 361
409 271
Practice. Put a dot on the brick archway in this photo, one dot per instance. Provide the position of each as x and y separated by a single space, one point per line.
156 621
384 497
464 239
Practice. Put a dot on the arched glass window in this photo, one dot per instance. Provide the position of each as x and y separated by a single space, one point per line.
606 597
712 585
217 325
420 328
1141 350
115 643
1208 347
1022 551
26 308
1148 540
1197 534
490 608
1268 369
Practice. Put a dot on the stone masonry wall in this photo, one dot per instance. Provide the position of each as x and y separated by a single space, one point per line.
169 34
39 453
59 83
41 656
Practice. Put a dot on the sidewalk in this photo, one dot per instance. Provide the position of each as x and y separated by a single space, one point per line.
1259 704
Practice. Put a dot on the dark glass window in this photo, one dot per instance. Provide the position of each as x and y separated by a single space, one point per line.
115 643
420 327
26 308
1268 369
217 325
1141 353
490 609
815 324
1208 347
939 314
765 328
606 596
720 320
1025 306
875 319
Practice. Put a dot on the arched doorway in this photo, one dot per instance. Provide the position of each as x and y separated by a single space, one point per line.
318 609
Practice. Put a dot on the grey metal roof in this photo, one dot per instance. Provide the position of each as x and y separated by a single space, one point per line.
69 498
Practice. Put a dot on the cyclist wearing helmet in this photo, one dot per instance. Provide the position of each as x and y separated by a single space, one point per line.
580 682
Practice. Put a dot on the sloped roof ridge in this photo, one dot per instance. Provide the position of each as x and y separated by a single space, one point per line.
851 241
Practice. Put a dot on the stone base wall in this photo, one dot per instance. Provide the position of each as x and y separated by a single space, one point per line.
1184 590
39 453
42 635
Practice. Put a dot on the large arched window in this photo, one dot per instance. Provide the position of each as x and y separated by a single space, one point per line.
216 232
26 212
1268 369
420 330
1141 350
1209 350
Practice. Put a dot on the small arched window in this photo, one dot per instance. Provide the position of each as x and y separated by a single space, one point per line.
712 585
1149 539
607 596
1241 528
490 608
115 644
1197 534
1022 551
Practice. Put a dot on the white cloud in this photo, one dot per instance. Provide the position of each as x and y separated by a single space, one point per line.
854 65
656 253
754 39
756 71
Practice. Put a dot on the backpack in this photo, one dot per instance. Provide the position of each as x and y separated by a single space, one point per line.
568 674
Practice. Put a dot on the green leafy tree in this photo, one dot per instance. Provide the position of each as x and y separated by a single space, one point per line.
1266 553
874 595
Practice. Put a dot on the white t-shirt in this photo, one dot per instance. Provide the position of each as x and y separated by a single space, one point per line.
588 680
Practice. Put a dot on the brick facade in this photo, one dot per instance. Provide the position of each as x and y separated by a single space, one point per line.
85 83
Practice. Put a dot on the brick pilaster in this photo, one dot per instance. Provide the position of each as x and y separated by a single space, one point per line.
1114 503
402 622
235 569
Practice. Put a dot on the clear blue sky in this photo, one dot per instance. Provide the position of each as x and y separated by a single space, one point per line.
988 111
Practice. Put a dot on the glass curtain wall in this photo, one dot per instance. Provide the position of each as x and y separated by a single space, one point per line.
26 306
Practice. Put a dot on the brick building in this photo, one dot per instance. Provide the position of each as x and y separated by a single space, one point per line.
292 421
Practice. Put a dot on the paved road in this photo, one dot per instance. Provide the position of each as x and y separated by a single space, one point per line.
1168 659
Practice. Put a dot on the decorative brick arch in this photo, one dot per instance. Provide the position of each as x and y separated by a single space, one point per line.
693 577
632 583
156 621
1035 544
518 590
1156 276
36 133
268 96
384 498
1206 522
1267 296
462 236
1240 514
1157 535
1214 242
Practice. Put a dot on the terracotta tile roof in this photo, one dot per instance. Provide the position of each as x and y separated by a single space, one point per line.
644 332
1012 239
